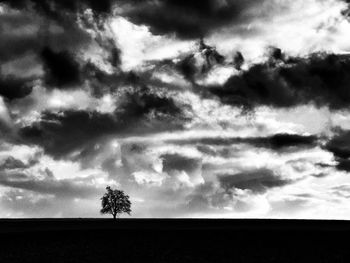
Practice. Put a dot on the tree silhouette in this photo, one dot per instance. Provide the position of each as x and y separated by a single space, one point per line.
115 202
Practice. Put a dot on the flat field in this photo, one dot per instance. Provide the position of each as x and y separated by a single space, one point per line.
173 240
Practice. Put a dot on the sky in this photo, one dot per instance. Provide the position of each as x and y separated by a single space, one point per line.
195 109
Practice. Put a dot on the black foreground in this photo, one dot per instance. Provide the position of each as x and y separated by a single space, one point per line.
173 240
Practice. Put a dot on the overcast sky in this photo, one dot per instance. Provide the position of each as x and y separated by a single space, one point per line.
213 108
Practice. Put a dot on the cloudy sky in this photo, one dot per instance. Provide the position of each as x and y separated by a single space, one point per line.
213 108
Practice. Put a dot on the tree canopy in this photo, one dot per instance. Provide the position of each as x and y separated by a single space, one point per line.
115 202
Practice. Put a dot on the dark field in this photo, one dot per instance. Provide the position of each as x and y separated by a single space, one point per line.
173 240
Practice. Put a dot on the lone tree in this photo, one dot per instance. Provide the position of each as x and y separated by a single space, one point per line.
115 202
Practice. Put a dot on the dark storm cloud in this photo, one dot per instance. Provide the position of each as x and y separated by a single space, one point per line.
61 69
321 79
141 112
12 45
102 83
257 181
143 101
282 140
61 133
27 32
57 8
14 87
238 60
24 34
276 142
339 145
187 18
346 12
188 66
50 32
12 163
177 162
343 165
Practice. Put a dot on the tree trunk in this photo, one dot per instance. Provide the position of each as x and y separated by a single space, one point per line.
114 216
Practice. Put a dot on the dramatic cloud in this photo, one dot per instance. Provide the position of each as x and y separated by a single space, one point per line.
53 34
12 87
61 69
214 108
140 112
188 19
12 163
257 181
199 63
173 162
276 142
339 145
346 12
55 8
27 32
321 79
